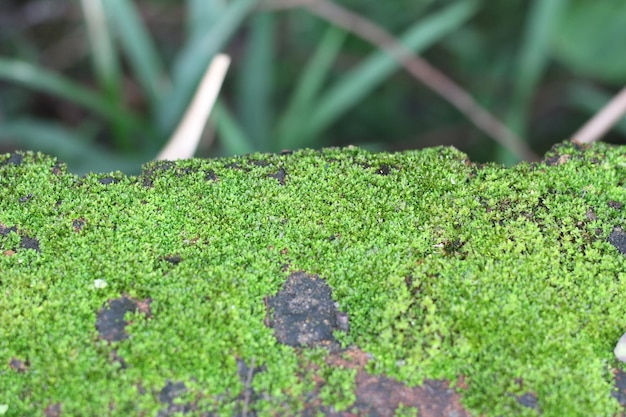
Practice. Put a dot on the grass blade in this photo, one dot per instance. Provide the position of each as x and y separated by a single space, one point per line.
232 138
534 55
302 100
194 58
37 78
359 82
140 50
255 81
104 61
68 146
202 14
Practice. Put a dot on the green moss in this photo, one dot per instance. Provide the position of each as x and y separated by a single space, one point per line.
445 268
338 391
405 411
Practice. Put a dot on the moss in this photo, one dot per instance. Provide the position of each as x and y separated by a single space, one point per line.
501 281
340 387
403 411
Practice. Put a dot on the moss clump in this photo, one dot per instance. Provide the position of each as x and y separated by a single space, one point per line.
501 281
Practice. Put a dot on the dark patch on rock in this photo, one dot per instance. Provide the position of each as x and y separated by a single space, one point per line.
615 204
363 165
210 176
173 259
579 146
557 160
236 165
384 169
58 169
168 394
108 180
148 173
18 365
53 410
114 357
184 171
5 230
14 159
281 175
528 400
171 391
619 381
258 162
617 238
414 289
303 312
564 147
28 242
110 321
453 247
343 321
378 395
163 166
591 215
78 224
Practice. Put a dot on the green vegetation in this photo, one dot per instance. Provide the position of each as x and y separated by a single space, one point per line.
446 269
104 91
403 411
340 389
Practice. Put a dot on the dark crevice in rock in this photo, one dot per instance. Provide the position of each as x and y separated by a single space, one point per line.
303 312
110 321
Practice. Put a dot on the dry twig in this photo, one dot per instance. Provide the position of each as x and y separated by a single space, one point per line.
247 389
602 121
185 138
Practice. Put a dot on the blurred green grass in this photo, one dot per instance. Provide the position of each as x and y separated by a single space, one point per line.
102 84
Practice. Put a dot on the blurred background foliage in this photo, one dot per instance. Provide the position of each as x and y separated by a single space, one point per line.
101 84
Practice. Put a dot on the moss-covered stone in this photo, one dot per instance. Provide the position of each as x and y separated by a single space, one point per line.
499 288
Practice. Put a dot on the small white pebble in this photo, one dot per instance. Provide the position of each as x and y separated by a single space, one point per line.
620 348
100 283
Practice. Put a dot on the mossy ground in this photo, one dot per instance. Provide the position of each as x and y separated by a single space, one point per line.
500 281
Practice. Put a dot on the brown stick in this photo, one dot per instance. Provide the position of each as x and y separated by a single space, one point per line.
602 121
416 66
248 389
184 141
